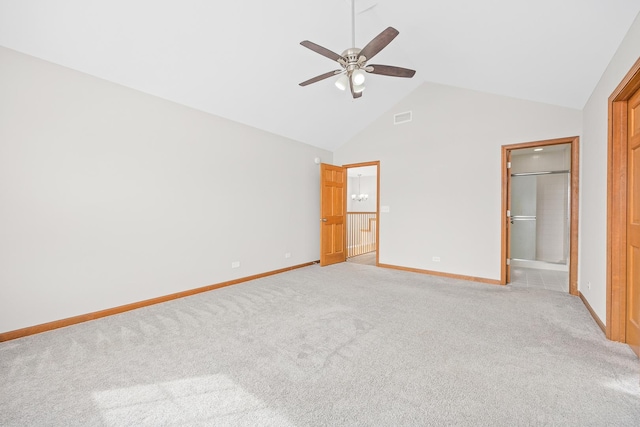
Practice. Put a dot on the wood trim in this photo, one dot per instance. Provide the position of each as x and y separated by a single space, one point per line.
32 330
378 217
441 274
574 217
629 84
542 143
593 313
617 222
575 186
503 216
617 204
357 165
377 164
370 221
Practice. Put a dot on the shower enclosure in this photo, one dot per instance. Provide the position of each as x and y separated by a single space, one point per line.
540 208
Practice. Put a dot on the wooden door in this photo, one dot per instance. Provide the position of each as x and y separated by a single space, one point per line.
508 216
332 214
633 225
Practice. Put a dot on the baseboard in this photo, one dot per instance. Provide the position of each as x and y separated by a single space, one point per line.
593 313
32 330
441 274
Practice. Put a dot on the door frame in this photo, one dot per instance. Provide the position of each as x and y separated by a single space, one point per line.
574 214
375 163
617 181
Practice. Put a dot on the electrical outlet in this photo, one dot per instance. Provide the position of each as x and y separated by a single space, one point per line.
235 264
435 259
287 255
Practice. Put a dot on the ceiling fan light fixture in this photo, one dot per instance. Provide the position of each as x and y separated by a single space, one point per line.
358 88
358 77
342 82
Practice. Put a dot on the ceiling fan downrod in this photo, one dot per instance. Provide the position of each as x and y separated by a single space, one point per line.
353 23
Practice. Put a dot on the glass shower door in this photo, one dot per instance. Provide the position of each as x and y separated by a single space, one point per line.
523 217
540 217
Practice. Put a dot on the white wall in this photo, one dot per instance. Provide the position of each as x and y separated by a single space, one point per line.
593 171
109 196
440 174
368 187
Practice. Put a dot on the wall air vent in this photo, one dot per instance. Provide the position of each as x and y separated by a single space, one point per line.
402 118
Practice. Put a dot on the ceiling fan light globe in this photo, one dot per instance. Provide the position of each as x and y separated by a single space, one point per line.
358 88
358 77
342 82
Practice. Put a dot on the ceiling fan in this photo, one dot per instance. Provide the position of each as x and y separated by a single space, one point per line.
354 60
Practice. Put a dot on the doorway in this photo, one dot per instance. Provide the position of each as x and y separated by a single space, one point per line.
358 190
539 185
362 214
540 214
623 212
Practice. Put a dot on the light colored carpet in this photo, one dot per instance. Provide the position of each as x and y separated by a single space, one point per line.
346 345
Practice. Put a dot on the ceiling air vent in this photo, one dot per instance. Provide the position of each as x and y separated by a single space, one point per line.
402 118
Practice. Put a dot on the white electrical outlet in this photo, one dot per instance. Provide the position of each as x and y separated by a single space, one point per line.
235 264
435 259
287 255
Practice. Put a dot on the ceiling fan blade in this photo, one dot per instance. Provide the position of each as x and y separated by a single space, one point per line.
320 77
379 43
354 93
321 50
389 70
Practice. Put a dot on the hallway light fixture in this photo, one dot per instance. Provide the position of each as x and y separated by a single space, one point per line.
360 197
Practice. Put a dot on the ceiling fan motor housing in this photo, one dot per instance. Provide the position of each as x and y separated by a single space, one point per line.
354 60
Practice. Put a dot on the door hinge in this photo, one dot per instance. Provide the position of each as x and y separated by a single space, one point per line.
508 214
508 261
508 165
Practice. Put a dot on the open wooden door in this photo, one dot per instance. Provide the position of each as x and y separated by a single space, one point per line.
332 214
633 225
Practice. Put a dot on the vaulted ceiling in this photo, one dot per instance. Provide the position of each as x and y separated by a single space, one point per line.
242 59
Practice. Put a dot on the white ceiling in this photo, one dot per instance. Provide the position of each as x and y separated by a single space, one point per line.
242 59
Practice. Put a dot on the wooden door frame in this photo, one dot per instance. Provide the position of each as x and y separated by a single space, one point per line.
375 163
617 181
575 185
